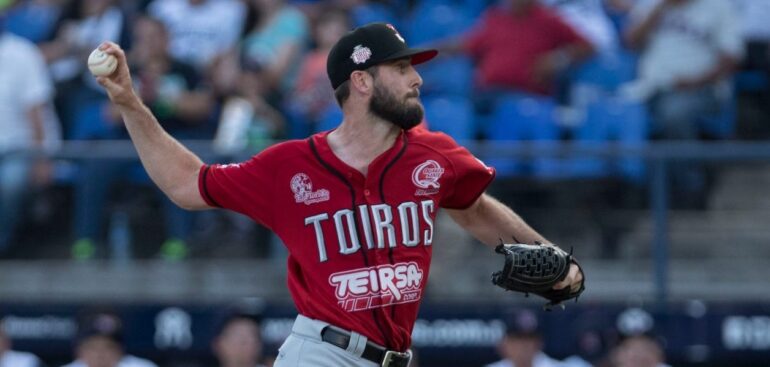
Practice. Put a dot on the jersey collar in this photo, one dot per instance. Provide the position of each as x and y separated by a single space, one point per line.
375 167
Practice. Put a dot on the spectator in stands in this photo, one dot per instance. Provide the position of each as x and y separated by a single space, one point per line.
12 358
588 18
238 342
99 343
34 19
689 50
522 345
248 118
640 350
200 29
84 24
27 124
276 42
311 95
173 91
545 47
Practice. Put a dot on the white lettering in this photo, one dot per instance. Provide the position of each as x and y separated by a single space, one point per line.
410 226
427 209
319 234
749 333
377 224
379 281
413 276
383 222
363 211
386 281
351 230
373 281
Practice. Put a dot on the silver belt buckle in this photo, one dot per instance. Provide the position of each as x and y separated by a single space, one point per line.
390 354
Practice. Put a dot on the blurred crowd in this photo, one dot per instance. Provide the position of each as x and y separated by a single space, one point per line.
243 73
101 340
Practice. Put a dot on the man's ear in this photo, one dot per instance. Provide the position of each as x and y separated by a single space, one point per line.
362 82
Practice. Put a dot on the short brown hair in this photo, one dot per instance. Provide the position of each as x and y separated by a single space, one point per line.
342 92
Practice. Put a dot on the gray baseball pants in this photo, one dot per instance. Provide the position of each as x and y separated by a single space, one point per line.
304 348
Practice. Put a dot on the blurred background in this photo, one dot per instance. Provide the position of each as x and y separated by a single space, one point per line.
633 131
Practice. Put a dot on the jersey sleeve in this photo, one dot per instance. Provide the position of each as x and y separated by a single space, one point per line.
246 187
471 175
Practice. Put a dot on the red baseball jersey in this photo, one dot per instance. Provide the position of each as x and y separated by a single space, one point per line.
359 245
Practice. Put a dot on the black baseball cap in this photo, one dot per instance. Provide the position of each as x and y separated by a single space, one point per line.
367 46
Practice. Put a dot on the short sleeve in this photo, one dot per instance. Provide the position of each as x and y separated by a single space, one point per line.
471 176
246 188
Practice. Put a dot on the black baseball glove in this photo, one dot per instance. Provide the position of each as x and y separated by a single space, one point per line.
536 269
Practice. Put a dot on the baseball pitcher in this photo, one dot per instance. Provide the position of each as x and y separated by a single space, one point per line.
355 206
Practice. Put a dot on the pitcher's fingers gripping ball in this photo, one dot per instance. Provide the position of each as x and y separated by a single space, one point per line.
537 269
101 63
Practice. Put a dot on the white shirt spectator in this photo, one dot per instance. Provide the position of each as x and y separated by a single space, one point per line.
200 32
127 361
24 83
590 20
688 40
13 358
85 35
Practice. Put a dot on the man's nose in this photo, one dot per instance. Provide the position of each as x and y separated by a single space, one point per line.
417 82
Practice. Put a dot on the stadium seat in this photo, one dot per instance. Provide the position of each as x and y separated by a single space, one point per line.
452 115
432 20
612 120
721 124
521 117
601 76
608 70
751 81
447 75
369 12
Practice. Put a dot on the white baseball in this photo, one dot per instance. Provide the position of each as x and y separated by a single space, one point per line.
101 63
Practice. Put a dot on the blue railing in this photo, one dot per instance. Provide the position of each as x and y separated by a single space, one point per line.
657 155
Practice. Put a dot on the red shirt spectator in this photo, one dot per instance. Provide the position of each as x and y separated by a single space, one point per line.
523 47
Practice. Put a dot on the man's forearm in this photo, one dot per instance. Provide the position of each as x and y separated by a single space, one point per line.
170 165
36 117
490 221
637 34
724 68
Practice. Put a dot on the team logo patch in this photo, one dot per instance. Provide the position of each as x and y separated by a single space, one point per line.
377 286
302 188
397 34
426 176
361 54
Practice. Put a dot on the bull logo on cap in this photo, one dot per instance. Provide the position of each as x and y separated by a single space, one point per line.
361 54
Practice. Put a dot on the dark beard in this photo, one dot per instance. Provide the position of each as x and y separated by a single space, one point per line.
387 107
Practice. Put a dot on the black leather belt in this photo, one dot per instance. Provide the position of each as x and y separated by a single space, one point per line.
372 352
